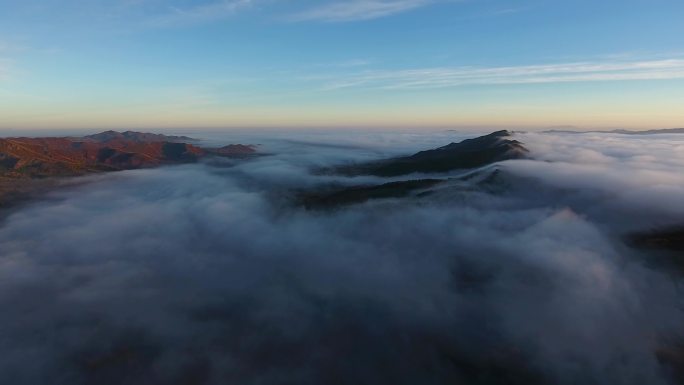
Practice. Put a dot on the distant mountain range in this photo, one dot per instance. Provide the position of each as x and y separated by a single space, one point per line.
24 160
625 132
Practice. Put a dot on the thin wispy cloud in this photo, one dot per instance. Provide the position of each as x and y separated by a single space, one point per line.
354 63
445 77
358 10
200 14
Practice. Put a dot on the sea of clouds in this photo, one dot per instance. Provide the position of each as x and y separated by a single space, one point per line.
210 274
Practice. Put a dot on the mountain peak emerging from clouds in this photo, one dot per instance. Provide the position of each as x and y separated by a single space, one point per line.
470 153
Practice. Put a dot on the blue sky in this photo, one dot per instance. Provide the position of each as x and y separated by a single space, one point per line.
366 63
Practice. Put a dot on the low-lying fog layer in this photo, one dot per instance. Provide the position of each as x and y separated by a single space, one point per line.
208 274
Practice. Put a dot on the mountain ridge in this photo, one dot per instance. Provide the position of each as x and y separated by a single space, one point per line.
472 154
467 154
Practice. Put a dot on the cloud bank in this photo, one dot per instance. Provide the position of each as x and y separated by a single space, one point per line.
206 274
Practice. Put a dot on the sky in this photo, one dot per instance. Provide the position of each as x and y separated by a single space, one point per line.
479 64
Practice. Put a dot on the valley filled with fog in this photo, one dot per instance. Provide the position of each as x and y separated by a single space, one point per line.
519 272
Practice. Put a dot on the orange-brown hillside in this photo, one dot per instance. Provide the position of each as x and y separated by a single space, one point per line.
26 164
37 157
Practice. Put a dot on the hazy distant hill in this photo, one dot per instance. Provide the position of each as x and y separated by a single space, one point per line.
233 150
649 132
137 137
625 132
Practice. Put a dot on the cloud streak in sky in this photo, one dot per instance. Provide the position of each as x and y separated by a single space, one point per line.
201 13
359 10
445 77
